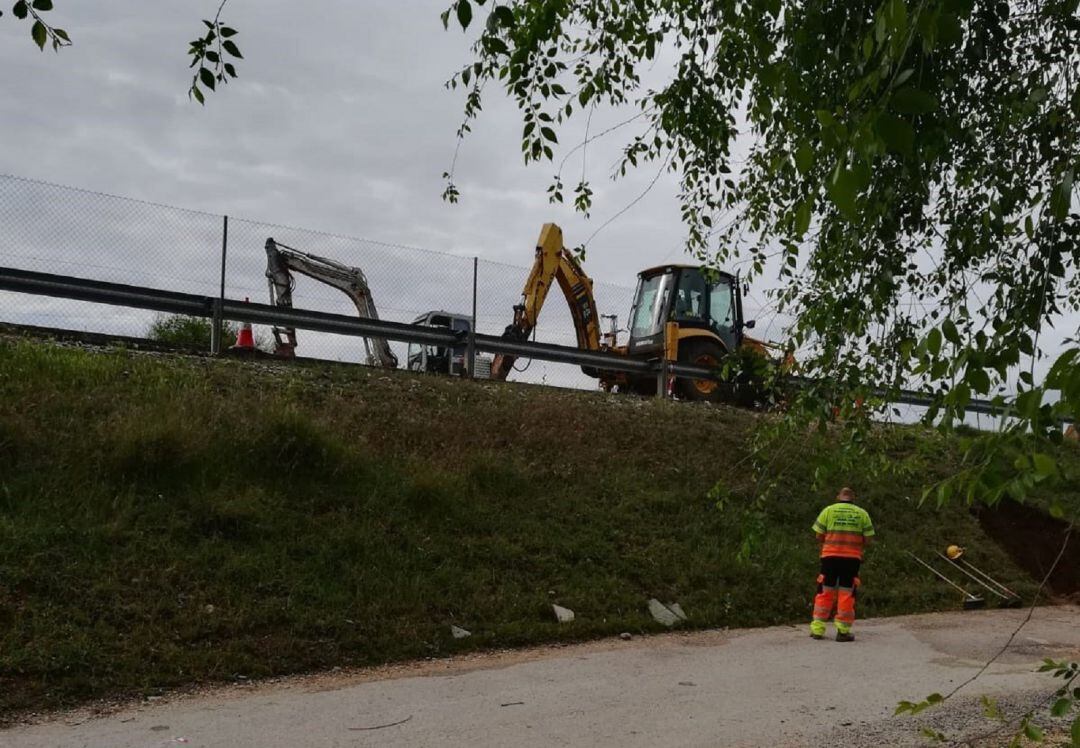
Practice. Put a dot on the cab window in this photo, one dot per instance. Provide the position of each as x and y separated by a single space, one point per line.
722 304
690 298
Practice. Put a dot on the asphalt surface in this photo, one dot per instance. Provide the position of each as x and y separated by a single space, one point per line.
760 687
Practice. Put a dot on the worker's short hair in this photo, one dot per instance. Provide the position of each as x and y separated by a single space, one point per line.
846 494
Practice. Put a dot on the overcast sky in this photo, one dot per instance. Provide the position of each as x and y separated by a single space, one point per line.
339 121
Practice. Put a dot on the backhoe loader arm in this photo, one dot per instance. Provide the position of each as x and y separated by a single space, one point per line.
553 262
282 261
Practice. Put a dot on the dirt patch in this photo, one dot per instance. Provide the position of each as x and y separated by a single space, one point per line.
1033 538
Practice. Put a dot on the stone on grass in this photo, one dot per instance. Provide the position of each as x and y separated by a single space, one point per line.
662 613
459 633
677 610
564 615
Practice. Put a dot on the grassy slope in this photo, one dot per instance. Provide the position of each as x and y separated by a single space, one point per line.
348 516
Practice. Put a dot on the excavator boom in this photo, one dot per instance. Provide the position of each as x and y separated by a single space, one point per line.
553 263
282 261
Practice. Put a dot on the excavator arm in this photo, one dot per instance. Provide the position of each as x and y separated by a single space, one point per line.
282 261
553 263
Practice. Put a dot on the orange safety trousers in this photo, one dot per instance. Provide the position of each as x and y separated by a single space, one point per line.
837 589
842 599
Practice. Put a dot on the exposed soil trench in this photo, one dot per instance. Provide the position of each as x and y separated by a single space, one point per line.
1033 538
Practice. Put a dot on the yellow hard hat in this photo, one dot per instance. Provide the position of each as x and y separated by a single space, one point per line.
954 552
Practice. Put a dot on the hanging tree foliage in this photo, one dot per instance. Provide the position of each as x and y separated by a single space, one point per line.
911 162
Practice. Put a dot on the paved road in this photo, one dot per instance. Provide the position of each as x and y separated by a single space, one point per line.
762 687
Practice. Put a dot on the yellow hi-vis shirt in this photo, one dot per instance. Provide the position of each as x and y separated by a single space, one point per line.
846 528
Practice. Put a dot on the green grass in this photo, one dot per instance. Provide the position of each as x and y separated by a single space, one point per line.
165 521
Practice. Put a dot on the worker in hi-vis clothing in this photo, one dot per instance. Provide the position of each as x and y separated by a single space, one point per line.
843 530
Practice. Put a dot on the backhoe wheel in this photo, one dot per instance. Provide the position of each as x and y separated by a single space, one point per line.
701 353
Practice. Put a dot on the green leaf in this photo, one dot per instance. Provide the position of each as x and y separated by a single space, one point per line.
1062 196
230 69
20 9
1074 733
1061 707
843 190
504 15
896 133
1028 402
804 157
464 13
39 34
1045 465
226 32
230 47
979 380
826 118
198 95
803 216
1033 732
548 134
902 78
935 698
911 100
951 334
933 342
43 5
207 78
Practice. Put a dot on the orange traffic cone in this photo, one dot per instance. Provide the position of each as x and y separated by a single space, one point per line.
245 339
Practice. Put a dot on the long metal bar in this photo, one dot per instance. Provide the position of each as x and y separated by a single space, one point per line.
987 577
972 577
941 576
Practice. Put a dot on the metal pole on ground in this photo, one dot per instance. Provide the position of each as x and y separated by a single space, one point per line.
217 329
472 325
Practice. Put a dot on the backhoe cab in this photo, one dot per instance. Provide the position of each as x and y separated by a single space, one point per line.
688 314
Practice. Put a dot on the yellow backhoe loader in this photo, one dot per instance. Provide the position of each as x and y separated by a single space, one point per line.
681 313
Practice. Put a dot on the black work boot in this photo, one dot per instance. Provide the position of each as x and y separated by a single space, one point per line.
840 637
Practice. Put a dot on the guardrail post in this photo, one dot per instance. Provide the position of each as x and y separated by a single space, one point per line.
471 355
217 327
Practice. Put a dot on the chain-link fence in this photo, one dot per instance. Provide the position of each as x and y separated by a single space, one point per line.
57 229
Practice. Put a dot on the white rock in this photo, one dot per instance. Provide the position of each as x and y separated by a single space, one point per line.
661 613
565 615
677 610
459 633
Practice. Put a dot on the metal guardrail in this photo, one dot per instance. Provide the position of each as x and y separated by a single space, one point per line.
118 294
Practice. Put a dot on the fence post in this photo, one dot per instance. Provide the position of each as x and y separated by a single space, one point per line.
471 355
218 325
661 378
